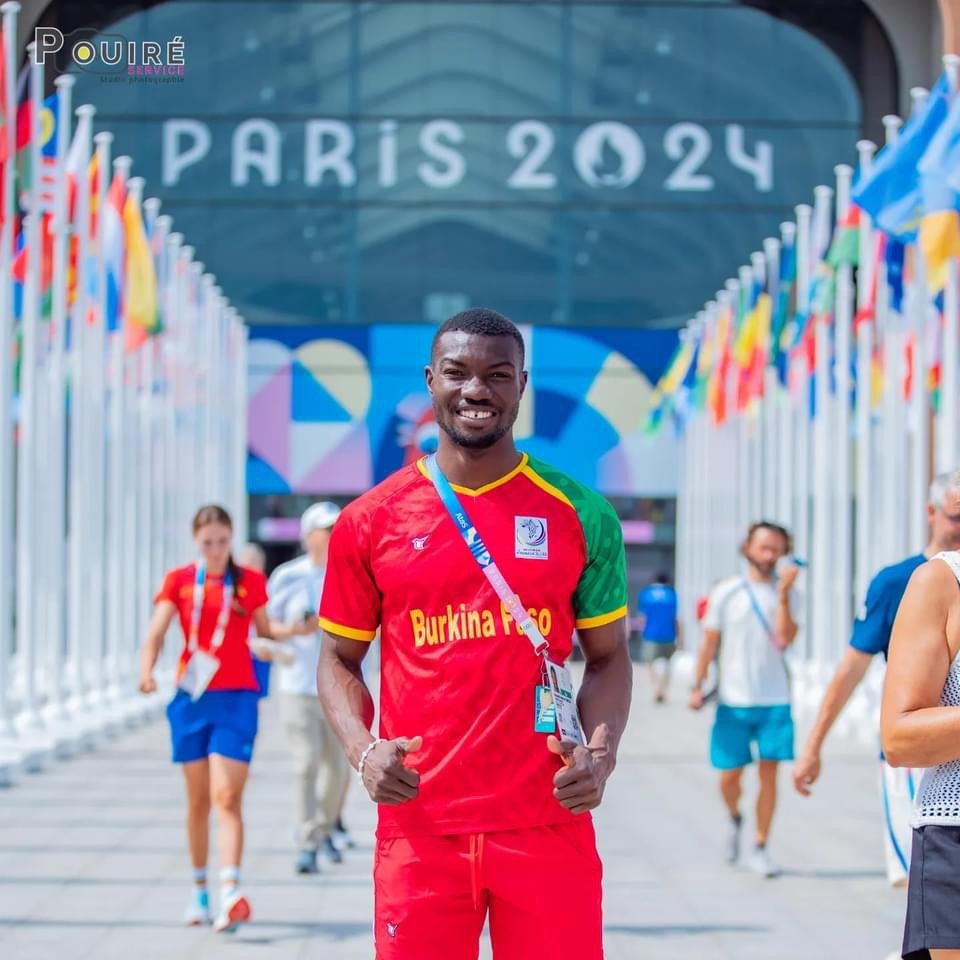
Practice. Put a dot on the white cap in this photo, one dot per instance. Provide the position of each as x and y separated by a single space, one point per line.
318 516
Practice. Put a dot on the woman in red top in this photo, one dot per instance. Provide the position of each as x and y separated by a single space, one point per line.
213 716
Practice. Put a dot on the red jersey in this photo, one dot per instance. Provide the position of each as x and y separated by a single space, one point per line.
236 664
455 667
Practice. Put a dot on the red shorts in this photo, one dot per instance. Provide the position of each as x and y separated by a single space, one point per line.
542 887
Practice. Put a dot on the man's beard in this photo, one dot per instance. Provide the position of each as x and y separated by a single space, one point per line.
446 421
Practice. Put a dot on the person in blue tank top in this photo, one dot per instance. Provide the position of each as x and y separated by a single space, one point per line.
657 609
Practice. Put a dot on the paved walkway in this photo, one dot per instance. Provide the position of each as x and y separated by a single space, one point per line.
92 861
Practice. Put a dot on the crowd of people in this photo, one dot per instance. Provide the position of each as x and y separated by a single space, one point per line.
475 567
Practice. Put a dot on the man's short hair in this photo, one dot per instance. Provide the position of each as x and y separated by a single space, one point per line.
485 323
774 528
940 485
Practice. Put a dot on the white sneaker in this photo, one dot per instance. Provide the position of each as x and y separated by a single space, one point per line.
234 910
197 913
760 862
733 841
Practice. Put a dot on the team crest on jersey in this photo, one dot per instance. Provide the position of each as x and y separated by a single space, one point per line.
530 538
420 543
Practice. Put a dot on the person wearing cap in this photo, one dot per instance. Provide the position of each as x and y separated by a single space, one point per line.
294 590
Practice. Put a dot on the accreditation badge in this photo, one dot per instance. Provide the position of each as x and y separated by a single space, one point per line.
200 670
565 705
545 714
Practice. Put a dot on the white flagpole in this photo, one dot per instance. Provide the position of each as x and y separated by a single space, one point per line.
55 428
893 433
786 420
948 425
773 480
804 426
132 494
106 679
7 342
865 560
842 456
28 570
84 564
119 574
917 310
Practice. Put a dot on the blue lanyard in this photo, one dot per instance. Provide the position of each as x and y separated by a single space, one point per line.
756 609
485 561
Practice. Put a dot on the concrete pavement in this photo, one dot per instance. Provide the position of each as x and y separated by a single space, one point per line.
93 863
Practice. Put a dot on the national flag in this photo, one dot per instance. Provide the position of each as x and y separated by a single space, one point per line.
890 191
140 278
939 235
868 311
845 248
782 309
114 250
669 383
717 387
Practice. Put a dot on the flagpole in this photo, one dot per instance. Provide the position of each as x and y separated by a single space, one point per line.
948 425
785 417
120 601
842 466
7 441
801 414
865 560
105 668
27 479
893 443
57 433
84 564
133 494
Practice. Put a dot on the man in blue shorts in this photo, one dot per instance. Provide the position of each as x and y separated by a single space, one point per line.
657 607
871 635
751 620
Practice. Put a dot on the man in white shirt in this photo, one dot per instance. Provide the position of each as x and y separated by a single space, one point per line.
750 619
294 590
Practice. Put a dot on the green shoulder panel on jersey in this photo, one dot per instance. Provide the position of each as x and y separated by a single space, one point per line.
601 595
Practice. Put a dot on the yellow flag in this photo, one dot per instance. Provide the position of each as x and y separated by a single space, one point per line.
140 282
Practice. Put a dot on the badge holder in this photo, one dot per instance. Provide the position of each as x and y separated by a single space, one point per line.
200 670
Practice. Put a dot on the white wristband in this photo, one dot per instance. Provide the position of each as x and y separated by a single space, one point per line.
363 756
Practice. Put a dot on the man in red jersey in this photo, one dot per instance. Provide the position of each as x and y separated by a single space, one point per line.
481 807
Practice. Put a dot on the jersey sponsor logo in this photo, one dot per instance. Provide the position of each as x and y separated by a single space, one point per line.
530 538
460 623
419 543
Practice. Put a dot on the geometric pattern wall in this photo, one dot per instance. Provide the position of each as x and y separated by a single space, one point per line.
333 410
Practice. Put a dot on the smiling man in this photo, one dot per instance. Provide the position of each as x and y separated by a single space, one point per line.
482 809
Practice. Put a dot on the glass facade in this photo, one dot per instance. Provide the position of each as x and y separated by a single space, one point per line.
583 164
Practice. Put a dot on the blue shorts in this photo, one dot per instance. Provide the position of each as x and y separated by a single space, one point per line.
221 721
736 729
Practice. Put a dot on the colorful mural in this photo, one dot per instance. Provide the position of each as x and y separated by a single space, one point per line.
335 409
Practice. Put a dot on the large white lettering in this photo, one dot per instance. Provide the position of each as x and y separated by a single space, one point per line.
607 155
174 161
244 155
432 136
336 160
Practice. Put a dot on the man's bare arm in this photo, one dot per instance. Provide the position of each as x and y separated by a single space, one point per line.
604 705
346 700
348 706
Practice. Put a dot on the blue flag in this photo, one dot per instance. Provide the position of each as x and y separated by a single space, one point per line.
890 192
